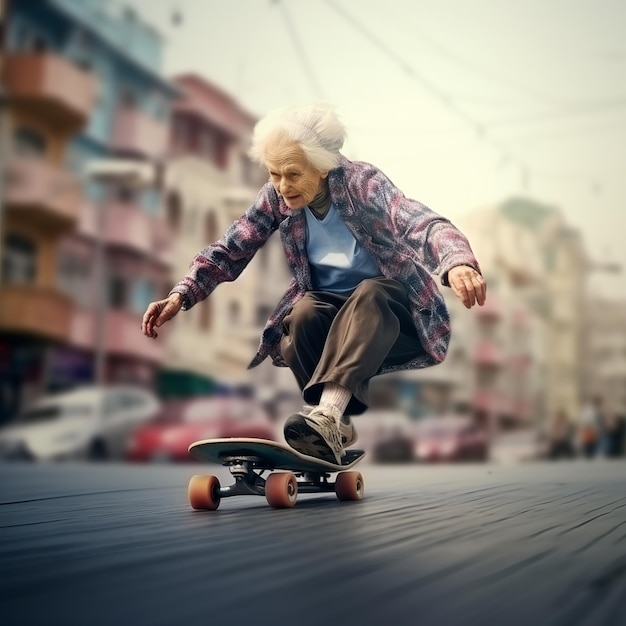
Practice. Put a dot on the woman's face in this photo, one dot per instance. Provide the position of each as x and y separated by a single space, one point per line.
292 176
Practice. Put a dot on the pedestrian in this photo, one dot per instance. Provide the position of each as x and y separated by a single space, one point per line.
560 437
362 300
591 426
614 434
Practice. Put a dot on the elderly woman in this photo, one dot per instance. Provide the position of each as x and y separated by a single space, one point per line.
362 300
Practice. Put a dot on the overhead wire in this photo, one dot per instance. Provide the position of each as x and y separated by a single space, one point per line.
449 101
307 66
297 46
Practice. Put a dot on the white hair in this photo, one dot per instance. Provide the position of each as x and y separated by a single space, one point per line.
315 128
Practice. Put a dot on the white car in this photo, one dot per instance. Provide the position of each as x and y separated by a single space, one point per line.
90 422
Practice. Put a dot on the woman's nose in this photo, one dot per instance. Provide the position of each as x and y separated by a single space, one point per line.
283 186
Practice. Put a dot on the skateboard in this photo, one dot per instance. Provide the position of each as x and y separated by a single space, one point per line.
248 459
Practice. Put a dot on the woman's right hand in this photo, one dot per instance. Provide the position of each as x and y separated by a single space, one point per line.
160 312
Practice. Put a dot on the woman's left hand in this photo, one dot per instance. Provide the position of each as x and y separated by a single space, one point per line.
468 285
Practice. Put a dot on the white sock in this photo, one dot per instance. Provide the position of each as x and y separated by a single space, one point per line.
336 396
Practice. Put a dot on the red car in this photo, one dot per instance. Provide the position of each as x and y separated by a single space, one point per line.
449 438
180 423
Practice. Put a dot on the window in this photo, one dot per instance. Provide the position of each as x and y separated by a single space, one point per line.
125 194
174 211
143 293
19 259
206 143
115 403
29 143
252 174
222 154
40 414
75 277
26 37
150 201
81 47
117 292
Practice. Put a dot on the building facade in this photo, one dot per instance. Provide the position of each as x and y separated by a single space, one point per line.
536 268
80 262
605 354
210 182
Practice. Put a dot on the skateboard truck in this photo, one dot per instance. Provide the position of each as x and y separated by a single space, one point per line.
247 481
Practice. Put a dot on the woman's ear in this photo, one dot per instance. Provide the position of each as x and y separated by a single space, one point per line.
324 174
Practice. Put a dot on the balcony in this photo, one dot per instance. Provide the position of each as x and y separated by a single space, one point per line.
44 192
31 310
138 134
122 335
51 87
127 226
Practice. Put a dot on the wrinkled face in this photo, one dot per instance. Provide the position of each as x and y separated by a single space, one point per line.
292 176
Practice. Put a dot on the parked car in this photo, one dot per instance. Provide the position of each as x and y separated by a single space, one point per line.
450 438
386 435
180 423
90 422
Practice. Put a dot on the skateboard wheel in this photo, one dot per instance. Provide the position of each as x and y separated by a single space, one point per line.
204 492
281 490
349 486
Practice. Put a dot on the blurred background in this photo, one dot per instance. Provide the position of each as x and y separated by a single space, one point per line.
124 128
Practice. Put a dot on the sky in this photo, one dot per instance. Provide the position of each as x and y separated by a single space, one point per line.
462 103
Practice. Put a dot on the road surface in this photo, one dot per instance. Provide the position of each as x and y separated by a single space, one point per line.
117 544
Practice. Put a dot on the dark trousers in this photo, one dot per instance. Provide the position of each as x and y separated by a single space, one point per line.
345 339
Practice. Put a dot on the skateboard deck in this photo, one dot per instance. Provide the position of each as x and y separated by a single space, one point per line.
248 458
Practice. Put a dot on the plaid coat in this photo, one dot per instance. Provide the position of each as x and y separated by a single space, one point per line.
408 241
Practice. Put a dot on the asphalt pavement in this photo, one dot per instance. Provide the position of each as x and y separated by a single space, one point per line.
116 544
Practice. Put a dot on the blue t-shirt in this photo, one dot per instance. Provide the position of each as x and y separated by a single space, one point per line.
337 261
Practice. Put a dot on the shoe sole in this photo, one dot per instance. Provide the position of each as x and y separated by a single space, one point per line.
306 440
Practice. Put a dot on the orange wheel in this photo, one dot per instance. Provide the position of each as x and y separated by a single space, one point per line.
204 492
349 486
281 490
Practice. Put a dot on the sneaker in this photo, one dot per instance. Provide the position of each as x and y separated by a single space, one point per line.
315 434
348 432
346 427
